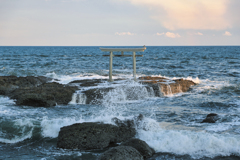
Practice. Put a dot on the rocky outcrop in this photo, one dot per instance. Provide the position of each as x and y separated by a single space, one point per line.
167 86
44 95
93 135
35 91
10 83
121 153
141 146
95 95
211 118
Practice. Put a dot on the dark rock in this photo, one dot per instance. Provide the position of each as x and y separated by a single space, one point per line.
10 83
141 146
88 82
124 123
121 153
211 118
44 95
135 122
95 95
92 135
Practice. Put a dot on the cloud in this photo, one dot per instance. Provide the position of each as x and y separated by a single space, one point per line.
195 33
160 34
198 34
124 33
227 34
188 14
169 34
172 35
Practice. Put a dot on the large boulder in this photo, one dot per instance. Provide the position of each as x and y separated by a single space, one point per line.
121 153
141 146
91 135
166 86
10 83
44 95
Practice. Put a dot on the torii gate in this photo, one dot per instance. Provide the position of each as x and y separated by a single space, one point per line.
122 50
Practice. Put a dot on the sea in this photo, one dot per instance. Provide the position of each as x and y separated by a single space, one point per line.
172 123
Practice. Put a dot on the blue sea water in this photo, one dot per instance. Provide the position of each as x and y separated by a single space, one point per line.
172 123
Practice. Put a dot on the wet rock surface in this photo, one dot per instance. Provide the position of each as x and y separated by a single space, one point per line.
38 92
95 95
211 118
167 86
121 153
44 95
141 146
9 83
90 135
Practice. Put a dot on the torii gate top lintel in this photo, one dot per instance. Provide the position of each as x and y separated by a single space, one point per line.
122 50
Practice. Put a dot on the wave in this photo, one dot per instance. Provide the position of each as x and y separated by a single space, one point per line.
186 142
16 131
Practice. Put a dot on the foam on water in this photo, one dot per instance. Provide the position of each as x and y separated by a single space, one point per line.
6 101
78 98
51 127
218 127
65 79
186 142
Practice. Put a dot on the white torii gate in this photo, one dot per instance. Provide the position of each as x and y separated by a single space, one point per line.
122 50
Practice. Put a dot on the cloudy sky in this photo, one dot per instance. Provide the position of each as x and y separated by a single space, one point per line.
119 22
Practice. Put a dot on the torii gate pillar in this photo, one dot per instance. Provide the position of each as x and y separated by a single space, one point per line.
122 50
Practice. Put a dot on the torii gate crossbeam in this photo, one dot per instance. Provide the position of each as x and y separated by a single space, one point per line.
122 50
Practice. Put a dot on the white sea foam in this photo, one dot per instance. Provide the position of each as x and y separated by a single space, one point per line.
51 127
78 98
6 101
182 142
65 79
218 127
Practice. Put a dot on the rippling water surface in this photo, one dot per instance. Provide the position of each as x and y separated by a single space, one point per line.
172 123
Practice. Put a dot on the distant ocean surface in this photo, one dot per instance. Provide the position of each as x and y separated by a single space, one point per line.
173 123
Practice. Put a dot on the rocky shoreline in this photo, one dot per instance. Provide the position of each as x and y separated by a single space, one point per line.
43 92
116 139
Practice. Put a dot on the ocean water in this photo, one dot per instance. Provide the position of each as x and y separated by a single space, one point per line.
172 123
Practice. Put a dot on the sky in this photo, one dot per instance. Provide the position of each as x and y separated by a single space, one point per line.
119 22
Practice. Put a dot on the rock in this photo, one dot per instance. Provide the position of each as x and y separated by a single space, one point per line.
142 147
91 135
88 82
135 122
10 83
94 96
211 118
125 123
121 153
44 95
166 86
